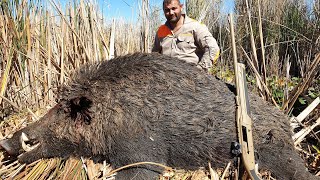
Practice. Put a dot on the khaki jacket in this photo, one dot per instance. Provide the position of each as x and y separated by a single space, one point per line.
192 42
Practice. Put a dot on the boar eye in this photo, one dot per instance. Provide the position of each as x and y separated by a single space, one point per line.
80 110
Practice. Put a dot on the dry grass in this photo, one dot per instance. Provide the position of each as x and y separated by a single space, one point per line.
56 169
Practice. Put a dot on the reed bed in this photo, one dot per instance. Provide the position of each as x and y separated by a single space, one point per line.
42 46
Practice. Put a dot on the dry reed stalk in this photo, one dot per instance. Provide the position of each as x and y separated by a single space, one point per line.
36 171
105 49
50 165
254 50
145 26
92 170
36 32
233 41
47 71
74 39
6 55
56 169
304 132
11 103
93 25
263 69
72 170
226 170
112 38
29 63
16 172
64 32
129 37
305 113
10 170
4 79
214 175
105 52
251 65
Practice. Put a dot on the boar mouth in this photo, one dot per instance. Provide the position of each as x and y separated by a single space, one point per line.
27 143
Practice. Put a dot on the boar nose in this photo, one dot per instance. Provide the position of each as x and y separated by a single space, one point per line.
6 146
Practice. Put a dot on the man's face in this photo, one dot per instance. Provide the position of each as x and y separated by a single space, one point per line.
172 11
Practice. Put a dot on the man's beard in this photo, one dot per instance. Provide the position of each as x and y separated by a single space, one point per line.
174 19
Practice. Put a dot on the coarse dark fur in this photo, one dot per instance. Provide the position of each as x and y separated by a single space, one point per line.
150 107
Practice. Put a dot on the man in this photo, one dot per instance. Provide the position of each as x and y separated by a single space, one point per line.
185 38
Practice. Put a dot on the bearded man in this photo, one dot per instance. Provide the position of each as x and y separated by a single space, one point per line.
185 38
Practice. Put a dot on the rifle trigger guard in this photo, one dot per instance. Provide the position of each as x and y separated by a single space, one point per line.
236 149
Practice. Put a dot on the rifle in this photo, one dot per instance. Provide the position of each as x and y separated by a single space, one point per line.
244 123
243 120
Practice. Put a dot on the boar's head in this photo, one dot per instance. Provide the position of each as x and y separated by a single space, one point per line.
56 134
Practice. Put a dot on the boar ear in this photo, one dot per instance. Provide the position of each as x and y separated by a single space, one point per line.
80 110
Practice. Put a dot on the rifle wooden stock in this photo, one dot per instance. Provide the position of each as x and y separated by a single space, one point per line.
244 122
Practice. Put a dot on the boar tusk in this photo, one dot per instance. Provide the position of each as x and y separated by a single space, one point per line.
28 148
25 147
24 137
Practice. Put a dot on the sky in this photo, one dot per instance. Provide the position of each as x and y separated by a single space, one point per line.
129 9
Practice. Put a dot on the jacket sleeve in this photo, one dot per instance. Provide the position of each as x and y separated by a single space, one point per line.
156 45
208 44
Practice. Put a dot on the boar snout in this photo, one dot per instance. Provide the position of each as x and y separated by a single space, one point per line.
6 145
20 143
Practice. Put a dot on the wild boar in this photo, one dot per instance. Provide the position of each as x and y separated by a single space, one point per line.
155 108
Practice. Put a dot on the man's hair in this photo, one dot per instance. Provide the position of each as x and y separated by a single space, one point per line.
169 1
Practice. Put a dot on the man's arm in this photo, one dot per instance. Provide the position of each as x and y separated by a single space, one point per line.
208 44
156 45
